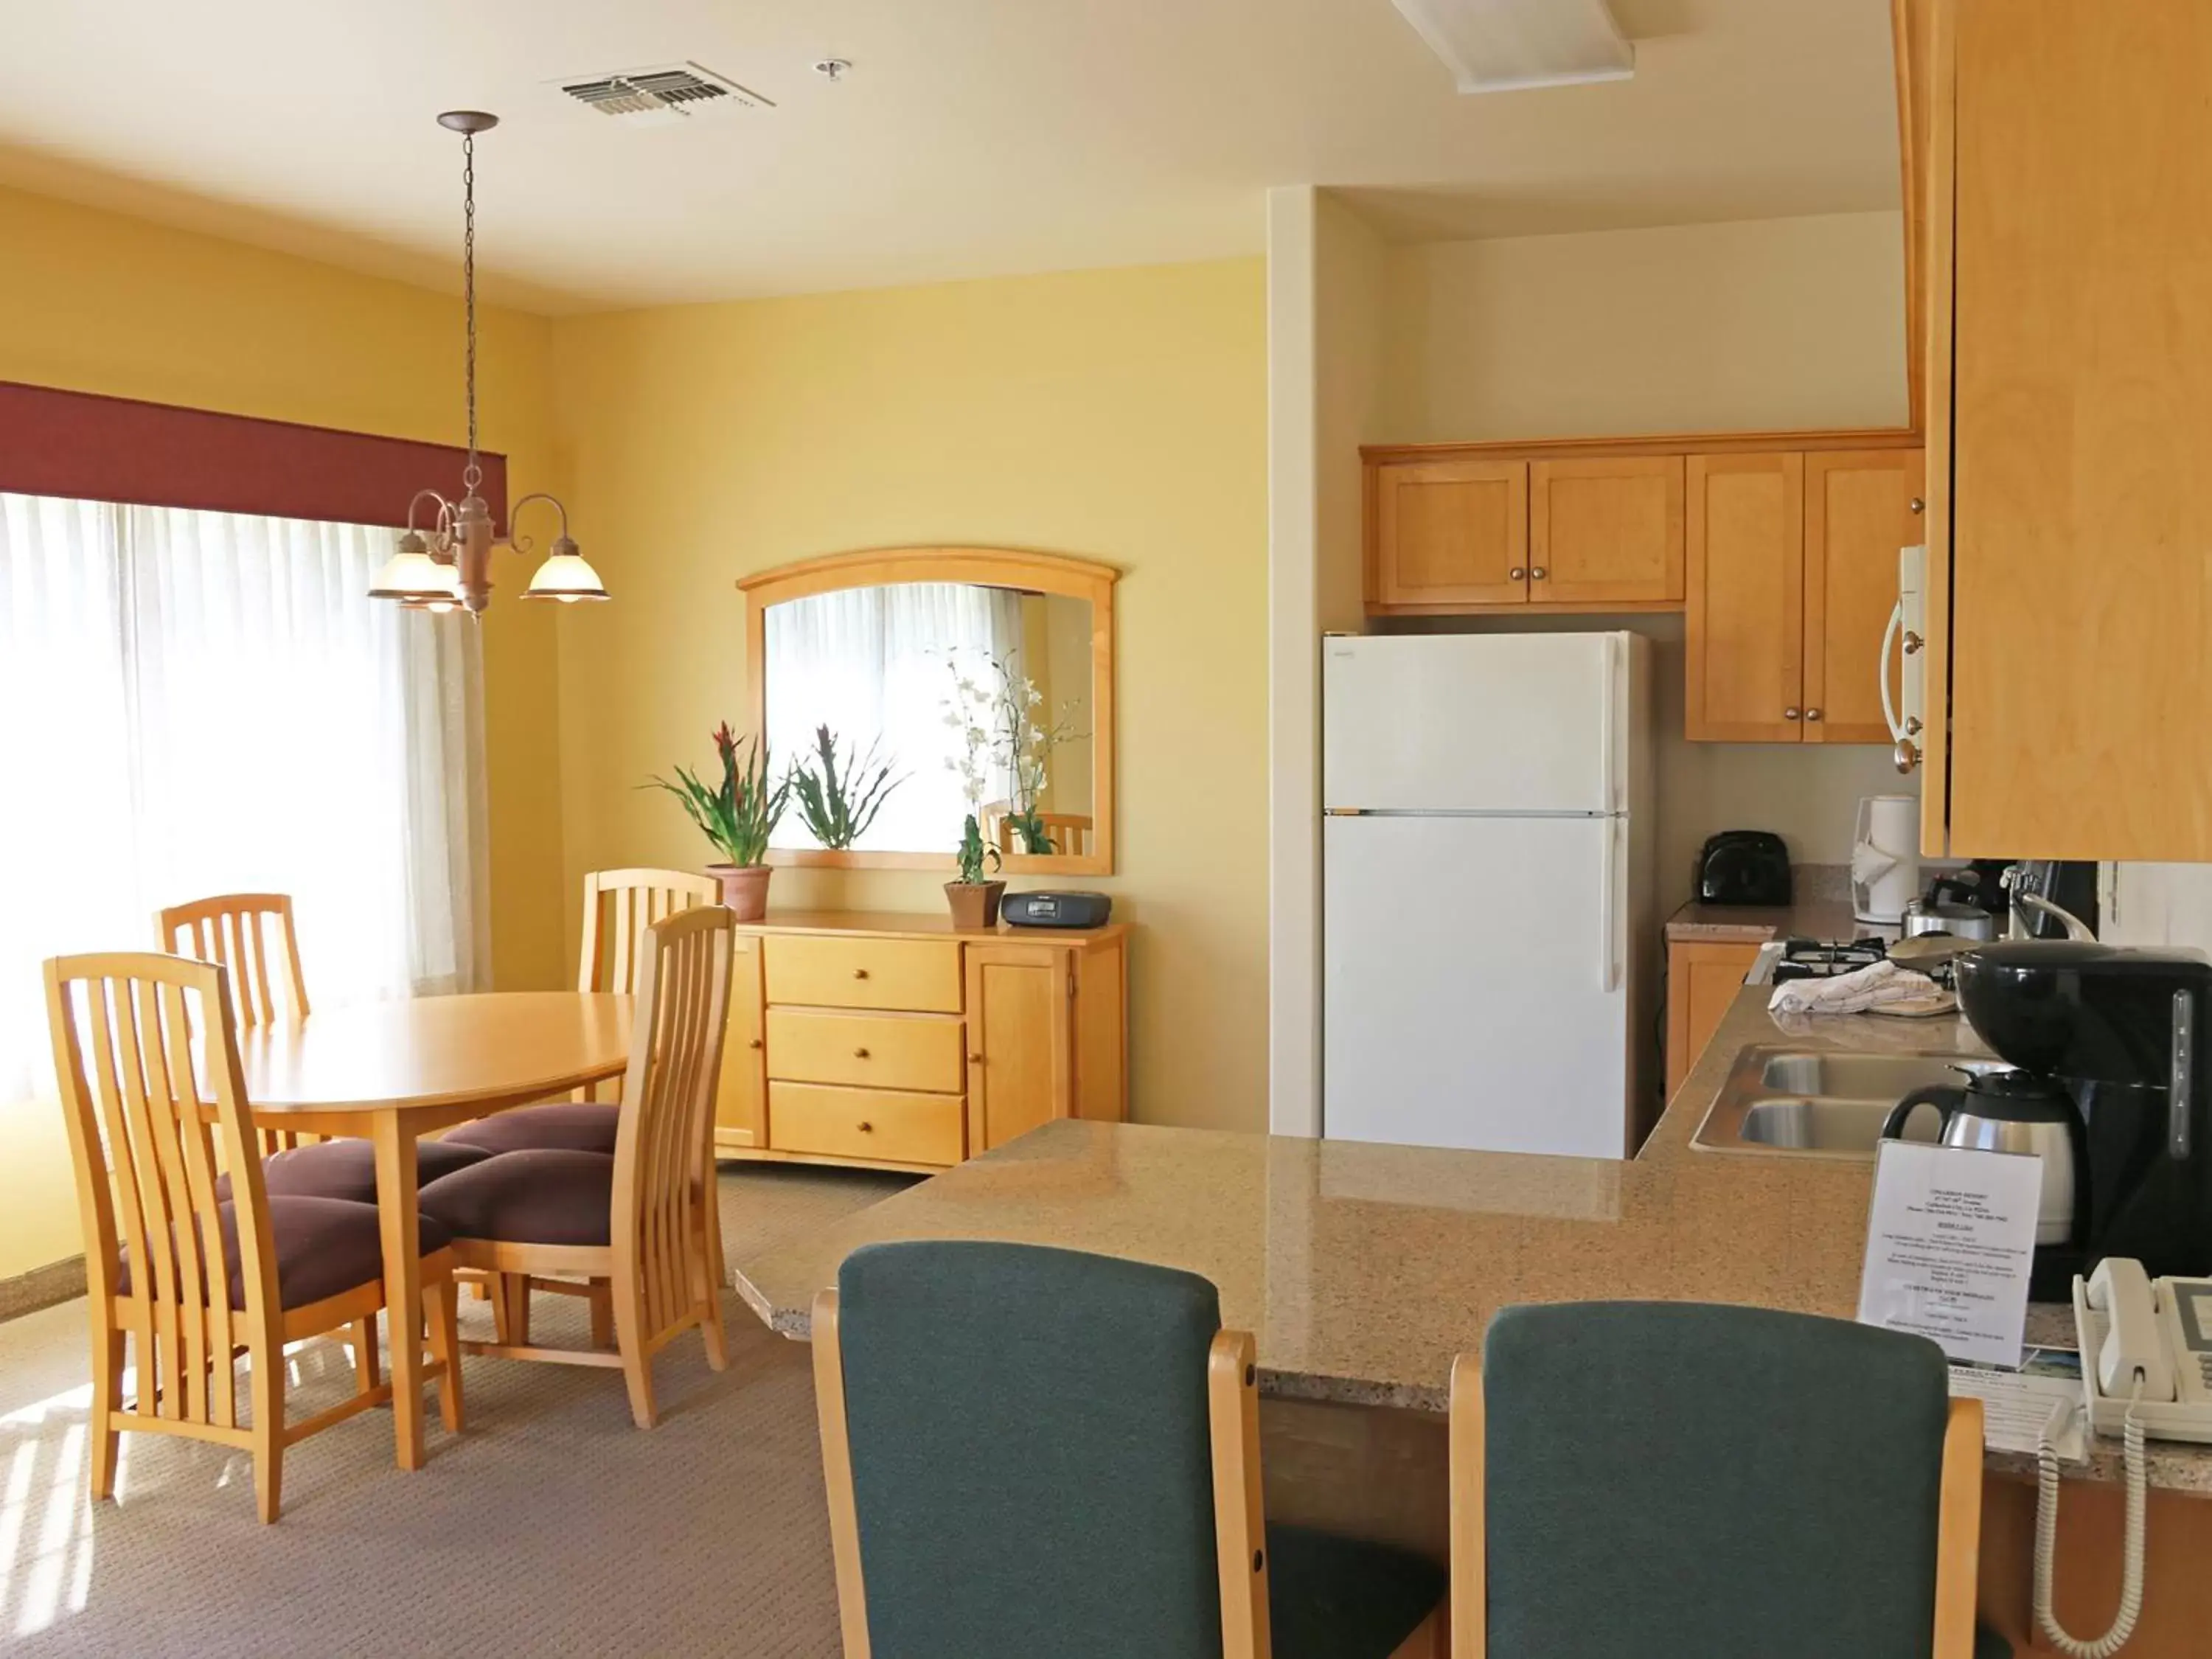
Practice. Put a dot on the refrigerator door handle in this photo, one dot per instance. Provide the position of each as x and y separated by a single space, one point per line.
1608 898
1607 715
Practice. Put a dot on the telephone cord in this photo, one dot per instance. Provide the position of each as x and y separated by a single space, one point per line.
2046 1541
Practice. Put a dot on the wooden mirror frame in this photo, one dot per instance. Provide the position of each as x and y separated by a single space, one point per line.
985 566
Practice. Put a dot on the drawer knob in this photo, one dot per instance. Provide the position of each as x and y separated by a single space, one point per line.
859 1054
1918 505
866 1127
755 1042
974 1059
860 973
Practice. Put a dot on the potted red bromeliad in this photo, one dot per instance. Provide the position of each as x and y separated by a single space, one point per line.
737 817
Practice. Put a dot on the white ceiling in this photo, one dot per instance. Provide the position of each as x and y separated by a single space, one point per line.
972 137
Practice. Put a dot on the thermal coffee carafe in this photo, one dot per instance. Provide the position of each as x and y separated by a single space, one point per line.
2114 1032
2011 1112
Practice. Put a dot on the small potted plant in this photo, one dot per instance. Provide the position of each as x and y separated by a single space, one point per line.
973 899
839 795
737 817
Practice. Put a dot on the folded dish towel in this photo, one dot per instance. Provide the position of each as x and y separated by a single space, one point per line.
1882 988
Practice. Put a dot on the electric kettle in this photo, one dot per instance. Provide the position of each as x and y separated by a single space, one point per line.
2010 1112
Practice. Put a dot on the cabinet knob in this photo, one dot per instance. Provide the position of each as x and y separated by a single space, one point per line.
1536 573
860 973
755 1042
1912 725
1919 506
1912 642
1906 755
1789 713
1812 713
859 1054
866 1127
1518 572
974 1059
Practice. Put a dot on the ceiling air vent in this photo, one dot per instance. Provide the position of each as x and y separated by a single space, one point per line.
661 96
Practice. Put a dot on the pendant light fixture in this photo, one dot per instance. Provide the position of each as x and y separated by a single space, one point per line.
449 567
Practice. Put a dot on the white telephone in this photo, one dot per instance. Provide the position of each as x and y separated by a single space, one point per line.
2146 1368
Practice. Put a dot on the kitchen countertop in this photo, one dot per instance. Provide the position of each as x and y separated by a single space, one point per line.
1755 924
1363 1270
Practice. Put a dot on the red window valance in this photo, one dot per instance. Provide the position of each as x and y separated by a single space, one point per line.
115 449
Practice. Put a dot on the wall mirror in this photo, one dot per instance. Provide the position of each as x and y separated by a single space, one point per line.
905 654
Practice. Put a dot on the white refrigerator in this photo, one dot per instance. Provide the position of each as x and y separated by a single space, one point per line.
1486 877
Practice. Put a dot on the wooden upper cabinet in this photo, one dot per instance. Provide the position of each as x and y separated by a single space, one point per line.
1451 533
1862 508
1606 531
1744 634
2079 421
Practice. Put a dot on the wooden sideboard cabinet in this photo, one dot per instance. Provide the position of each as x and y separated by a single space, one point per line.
894 1041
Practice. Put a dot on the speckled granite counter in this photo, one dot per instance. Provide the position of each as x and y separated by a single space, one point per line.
1363 1270
1754 924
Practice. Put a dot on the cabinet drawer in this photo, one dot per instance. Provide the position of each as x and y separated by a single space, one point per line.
921 975
905 1128
878 1051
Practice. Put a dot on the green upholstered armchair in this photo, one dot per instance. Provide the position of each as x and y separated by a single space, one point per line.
1035 1452
1633 1479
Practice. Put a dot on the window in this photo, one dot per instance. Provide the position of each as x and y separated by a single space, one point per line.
196 703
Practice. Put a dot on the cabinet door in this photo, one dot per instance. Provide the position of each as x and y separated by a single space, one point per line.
1451 533
1702 981
740 1099
1860 509
1744 636
1020 1067
1606 531
2080 594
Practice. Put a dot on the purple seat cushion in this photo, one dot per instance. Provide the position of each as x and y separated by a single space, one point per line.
570 1126
347 1169
547 1195
323 1246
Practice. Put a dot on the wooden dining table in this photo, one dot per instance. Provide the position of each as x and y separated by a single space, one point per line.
391 1071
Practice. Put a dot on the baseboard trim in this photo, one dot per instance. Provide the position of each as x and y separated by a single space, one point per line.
41 1287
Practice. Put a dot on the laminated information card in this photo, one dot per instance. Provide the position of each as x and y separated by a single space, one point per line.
1950 1238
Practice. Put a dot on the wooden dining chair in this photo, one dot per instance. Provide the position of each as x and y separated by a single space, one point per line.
1041 1451
252 936
641 1228
620 907
1643 1478
1069 832
148 1134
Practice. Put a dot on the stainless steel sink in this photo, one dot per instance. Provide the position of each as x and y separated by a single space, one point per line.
1807 1104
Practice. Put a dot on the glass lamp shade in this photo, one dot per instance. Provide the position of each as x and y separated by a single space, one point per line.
412 575
565 576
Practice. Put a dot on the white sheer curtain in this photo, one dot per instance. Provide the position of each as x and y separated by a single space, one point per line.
874 664
201 702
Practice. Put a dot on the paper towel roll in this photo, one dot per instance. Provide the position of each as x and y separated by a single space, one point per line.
1885 857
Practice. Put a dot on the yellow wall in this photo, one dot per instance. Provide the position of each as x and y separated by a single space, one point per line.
1117 415
96 302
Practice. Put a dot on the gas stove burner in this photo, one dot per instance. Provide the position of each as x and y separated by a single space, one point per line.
1813 958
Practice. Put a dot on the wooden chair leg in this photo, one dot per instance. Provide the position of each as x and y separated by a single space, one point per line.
267 1395
495 1288
637 1364
518 1310
107 1407
364 1354
603 1315
444 1310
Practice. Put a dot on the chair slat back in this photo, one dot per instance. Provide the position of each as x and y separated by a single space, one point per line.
244 932
150 1131
664 1187
1069 833
619 905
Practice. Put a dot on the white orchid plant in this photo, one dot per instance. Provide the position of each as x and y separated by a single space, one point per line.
1001 718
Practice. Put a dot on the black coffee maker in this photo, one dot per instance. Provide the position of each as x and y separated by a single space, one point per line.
2119 1030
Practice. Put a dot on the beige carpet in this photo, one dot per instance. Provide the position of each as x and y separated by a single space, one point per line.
552 1525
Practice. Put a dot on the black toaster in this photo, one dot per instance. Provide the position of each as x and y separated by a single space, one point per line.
1744 867
1061 909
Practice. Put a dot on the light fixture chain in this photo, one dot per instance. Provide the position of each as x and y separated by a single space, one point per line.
472 474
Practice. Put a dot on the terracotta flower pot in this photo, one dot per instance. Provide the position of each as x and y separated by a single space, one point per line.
745 888
975 903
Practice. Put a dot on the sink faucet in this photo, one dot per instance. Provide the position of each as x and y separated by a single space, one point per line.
2025 907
